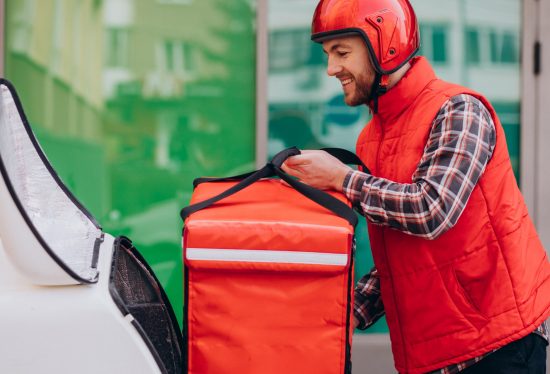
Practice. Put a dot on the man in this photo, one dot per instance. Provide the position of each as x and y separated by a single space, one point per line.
459 269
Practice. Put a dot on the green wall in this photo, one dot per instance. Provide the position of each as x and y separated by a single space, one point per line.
173 98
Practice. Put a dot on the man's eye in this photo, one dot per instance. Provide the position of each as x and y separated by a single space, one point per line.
342 54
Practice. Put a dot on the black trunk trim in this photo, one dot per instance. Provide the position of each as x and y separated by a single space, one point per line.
126 243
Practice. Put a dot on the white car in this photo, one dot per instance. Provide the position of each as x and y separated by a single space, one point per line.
73 299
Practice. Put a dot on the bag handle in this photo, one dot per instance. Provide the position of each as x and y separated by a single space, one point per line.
273 168
347 157
277 161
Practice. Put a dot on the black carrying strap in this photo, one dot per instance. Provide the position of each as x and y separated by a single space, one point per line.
239 177
346 157
273 168
277 161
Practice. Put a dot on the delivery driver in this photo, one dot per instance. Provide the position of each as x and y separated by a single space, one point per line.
460 272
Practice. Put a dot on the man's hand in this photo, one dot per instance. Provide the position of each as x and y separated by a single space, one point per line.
318 169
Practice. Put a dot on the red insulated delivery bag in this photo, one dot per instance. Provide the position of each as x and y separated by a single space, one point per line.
268 275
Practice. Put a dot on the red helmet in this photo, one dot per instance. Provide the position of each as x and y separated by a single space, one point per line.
389 28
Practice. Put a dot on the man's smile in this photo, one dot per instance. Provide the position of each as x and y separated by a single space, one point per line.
346 81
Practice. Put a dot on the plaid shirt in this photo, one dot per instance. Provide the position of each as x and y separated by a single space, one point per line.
459 146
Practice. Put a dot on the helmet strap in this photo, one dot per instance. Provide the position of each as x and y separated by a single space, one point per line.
379 87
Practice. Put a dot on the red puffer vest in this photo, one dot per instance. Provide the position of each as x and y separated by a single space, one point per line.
482 284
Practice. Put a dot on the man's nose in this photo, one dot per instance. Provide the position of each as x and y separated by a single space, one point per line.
333 68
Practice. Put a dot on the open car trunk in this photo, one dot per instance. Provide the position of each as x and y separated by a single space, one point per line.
73 299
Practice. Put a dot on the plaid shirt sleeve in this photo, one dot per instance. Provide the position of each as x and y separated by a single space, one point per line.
460 144
368 307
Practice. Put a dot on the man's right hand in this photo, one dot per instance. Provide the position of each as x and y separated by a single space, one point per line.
317 169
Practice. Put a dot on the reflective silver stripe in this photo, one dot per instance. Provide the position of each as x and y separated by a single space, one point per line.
250 255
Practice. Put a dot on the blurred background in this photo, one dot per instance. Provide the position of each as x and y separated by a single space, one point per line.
133 99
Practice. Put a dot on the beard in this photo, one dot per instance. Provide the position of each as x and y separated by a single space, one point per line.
361 94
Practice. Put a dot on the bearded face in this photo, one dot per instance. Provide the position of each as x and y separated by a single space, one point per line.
349 62
357 92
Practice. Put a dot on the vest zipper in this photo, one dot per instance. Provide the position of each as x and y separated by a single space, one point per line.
382 134
383 241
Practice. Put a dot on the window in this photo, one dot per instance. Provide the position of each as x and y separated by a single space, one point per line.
57 37
493 41
472 51
175 2
21 24
178 57
316 55
509 48
289 49
439 44
116 47
434 44
484 46
504 47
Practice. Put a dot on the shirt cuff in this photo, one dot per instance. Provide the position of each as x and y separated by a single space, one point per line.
362 324
353 185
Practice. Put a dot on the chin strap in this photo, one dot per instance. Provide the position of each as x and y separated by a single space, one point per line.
379 88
